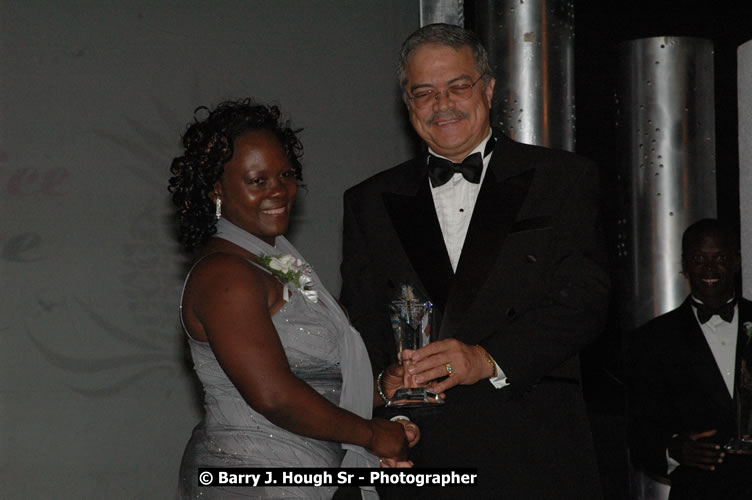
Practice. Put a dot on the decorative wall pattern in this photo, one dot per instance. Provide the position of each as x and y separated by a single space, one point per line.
97 396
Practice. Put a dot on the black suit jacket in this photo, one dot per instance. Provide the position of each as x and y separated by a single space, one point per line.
675 386
530 286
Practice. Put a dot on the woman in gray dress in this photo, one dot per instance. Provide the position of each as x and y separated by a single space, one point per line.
287 381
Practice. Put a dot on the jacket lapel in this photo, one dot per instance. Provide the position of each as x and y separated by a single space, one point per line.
504 189
412 213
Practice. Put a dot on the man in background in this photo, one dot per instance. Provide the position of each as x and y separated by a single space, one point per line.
686 374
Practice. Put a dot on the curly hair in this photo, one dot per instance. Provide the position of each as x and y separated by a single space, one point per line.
208 145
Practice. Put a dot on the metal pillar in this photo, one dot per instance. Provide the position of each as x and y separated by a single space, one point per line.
531 49
442 11
665 129
744 63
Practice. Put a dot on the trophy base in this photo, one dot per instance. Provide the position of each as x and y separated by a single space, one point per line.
414 396
739 445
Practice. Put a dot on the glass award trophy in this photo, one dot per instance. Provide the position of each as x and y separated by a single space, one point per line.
413 328
742 441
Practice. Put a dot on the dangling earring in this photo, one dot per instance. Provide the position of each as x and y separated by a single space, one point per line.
218 208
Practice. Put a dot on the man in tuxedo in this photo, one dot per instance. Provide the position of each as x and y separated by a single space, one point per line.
685 374
506 247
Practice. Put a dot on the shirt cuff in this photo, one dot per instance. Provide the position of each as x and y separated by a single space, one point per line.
500 380
672 464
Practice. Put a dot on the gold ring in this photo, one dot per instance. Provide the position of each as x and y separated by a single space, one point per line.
449 369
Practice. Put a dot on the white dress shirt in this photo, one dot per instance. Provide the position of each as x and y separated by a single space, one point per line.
454 203
721 338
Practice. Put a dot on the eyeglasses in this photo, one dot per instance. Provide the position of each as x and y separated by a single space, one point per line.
460 91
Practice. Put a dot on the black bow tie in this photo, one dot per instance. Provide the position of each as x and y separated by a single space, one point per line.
440 170
705 312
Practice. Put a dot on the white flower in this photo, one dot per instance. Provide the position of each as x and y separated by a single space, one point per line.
293 271
284 263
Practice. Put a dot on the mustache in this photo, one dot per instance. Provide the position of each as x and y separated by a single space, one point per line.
444 115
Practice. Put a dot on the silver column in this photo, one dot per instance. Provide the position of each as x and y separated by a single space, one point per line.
744 72
442 11
531 48
665 131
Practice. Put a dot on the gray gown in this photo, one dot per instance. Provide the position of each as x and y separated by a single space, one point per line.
232 434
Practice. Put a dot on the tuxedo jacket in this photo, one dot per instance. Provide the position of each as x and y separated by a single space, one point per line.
531 287
675 386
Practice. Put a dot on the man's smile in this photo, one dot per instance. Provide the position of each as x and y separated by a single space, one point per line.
445 119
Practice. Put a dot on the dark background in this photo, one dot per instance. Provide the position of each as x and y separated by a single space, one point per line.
599 28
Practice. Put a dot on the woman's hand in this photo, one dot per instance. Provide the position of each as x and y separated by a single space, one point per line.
412 433
388 439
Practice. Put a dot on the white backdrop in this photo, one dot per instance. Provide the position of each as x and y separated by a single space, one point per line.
97 399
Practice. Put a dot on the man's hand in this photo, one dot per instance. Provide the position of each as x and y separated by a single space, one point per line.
392 463
689 450
412 433
458 362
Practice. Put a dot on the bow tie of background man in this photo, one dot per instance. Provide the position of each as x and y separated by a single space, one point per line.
705 312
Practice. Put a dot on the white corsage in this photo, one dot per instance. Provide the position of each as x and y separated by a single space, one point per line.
293 271
748 330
